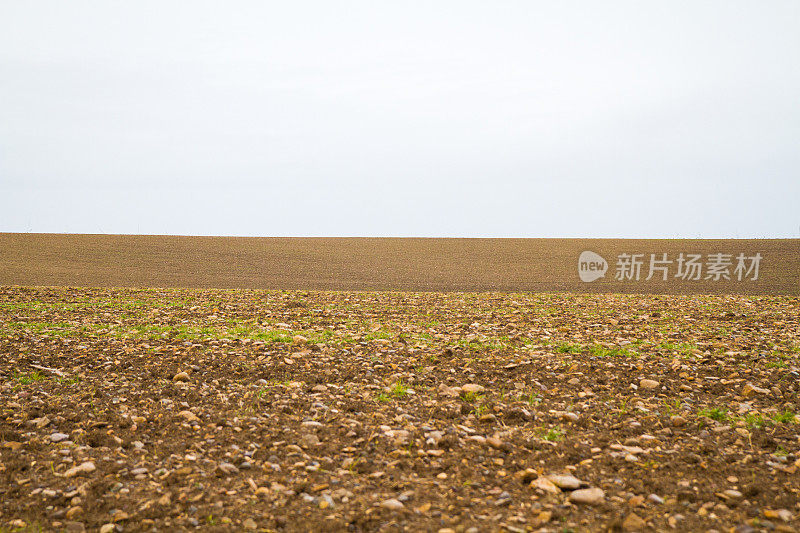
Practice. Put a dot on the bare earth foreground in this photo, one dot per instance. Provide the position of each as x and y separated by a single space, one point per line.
231 410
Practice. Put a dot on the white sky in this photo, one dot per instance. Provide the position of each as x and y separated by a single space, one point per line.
378 118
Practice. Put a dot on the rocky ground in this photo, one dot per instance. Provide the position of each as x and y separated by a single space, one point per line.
139 410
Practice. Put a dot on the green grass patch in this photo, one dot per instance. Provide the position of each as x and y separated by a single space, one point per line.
569 348
533 399
787 417
380 334
717 413
471 397
615 351
755 421
27 379
382 397
555 434
399 389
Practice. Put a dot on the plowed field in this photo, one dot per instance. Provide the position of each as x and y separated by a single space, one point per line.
236 410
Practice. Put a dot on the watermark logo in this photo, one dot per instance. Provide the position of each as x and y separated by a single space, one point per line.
591 266
684 267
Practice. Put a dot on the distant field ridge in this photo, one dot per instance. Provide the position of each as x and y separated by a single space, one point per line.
412 264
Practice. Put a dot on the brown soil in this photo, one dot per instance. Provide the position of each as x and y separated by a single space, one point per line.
374 263
308 411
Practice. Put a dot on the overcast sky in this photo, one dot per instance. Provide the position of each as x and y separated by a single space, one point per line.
434 118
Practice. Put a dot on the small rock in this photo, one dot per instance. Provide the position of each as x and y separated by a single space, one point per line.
528 475
781 514
107 528
636 501
496 443
299 339
227 469
749 390
189 416
633 522
545 485
309 440
518 413
678 421
593 496
473 388
542 518
648 384
250 524
393 504
58 437
181 376
74 512
570 416
74 527
40 422
183 471
503 500
655 498
733 494
574 381
83 468
445 390
565 482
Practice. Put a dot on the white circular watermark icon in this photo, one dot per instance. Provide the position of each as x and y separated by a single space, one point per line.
591 266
